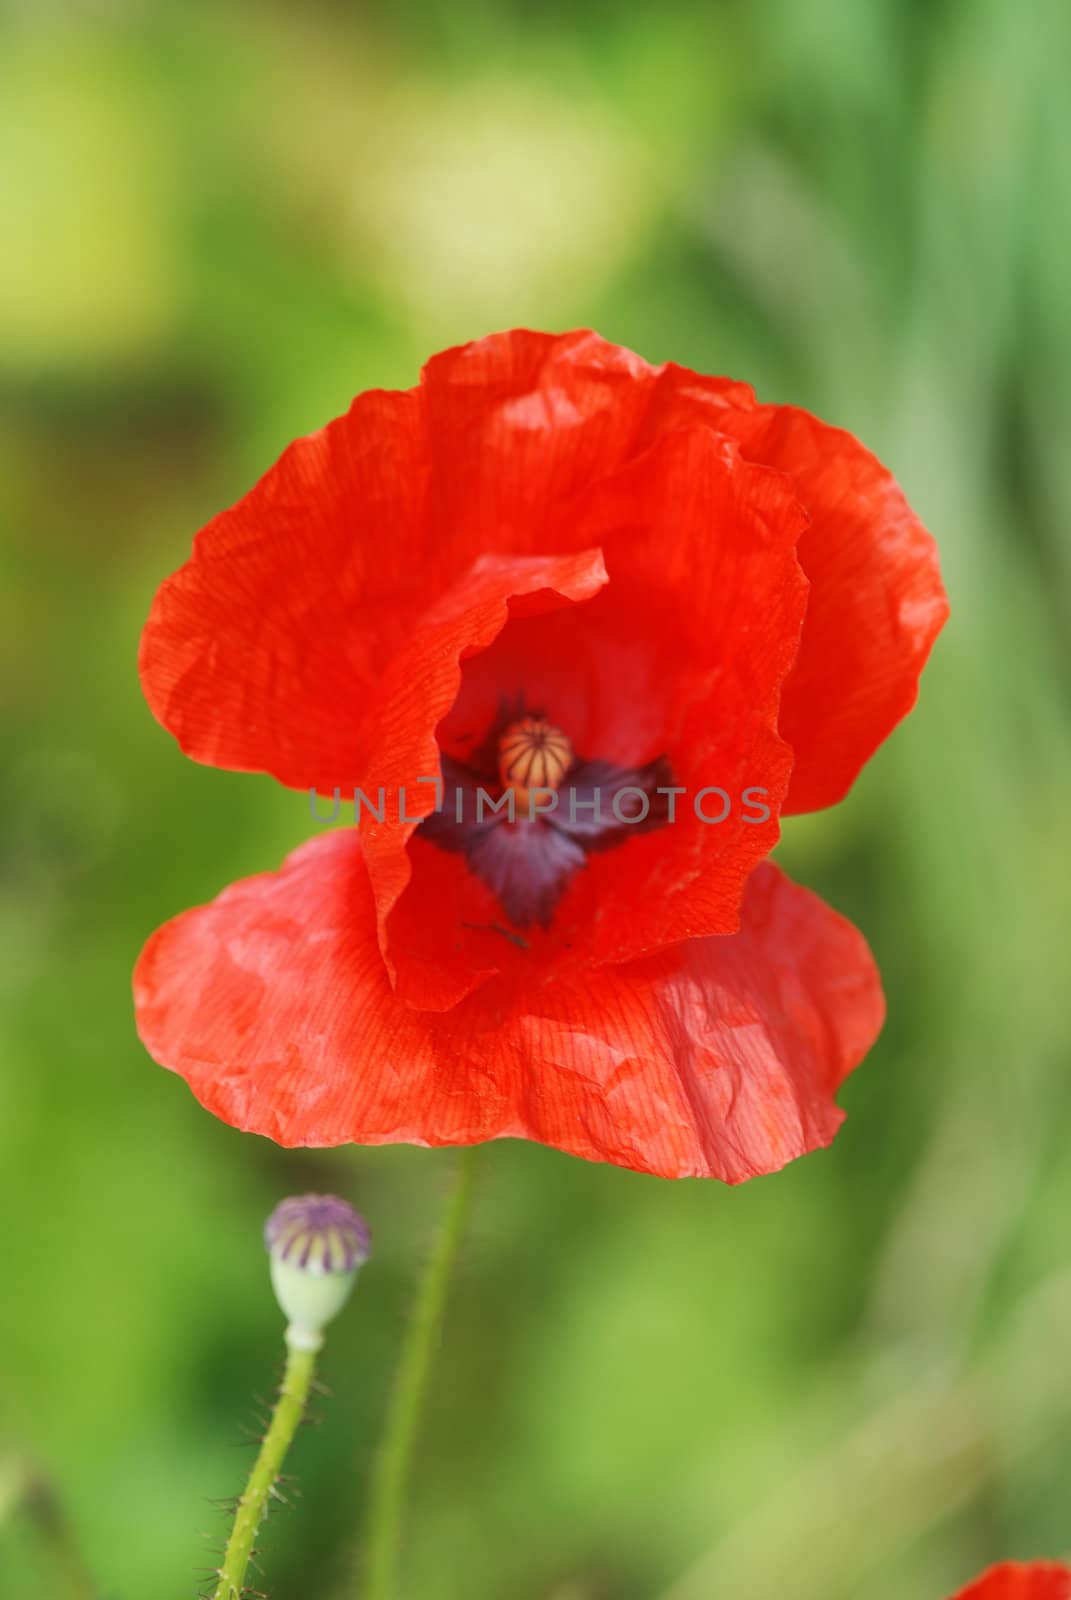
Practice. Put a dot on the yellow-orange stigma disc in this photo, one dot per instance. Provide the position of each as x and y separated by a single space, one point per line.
533 755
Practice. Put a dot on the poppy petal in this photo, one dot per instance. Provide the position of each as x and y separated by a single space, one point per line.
877 601
262 652
520 422
719 1057
1021 1580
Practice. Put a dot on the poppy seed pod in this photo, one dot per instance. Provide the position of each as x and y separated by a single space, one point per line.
317 1244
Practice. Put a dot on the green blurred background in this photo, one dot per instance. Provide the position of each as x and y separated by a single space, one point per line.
219 220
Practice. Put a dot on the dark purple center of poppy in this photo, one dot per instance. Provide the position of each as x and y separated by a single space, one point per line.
526 811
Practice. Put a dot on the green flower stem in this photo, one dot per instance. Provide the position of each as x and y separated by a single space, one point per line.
288 1412
390 1480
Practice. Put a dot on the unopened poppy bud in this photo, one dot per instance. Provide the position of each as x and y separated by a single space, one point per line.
317 1244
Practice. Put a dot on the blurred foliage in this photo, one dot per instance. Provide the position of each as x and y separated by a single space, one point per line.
220 220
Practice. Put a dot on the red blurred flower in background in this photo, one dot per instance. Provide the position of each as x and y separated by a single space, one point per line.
1015 1580
549 568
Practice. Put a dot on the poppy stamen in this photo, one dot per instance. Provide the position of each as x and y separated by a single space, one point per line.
533 755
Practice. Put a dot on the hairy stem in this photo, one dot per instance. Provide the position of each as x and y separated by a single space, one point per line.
392 1471
288 1412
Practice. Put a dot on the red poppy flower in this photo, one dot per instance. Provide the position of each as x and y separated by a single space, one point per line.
578 629
1015 1580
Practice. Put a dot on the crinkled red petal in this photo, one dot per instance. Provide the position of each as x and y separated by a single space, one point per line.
1021 1580
719 1057
265 652
877 601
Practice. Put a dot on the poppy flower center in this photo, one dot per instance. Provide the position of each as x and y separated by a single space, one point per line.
526 810
533 756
